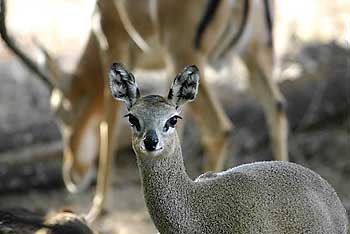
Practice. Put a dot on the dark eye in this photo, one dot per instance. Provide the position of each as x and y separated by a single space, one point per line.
134 122
171 122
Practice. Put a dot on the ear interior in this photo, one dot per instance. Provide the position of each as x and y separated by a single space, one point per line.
185 86
123 85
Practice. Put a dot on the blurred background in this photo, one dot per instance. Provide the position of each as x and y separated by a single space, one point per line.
314 53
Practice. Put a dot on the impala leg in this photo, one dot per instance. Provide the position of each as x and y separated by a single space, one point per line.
85 91
107 147
77 170
107 136
112 48
214 125
272 101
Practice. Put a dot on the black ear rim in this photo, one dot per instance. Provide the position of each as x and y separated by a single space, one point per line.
192 67
171 92
138 94
117 66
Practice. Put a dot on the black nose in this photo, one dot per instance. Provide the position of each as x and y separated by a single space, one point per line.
151 140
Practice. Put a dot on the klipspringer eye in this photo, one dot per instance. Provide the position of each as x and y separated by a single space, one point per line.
171 123
133 121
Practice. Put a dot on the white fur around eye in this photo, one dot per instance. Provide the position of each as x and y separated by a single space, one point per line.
171 130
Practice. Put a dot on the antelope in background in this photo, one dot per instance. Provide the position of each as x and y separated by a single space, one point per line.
185 32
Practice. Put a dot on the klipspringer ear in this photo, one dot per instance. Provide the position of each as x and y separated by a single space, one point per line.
123 85
185 86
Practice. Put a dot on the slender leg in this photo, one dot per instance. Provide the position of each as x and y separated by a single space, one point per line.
107 139
110 50
77 172
272 101
107 146
214 124
215 128
85 92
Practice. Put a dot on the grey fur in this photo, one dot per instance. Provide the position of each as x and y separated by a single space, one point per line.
261 197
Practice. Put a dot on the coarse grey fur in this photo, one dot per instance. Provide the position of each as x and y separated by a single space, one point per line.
261 197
